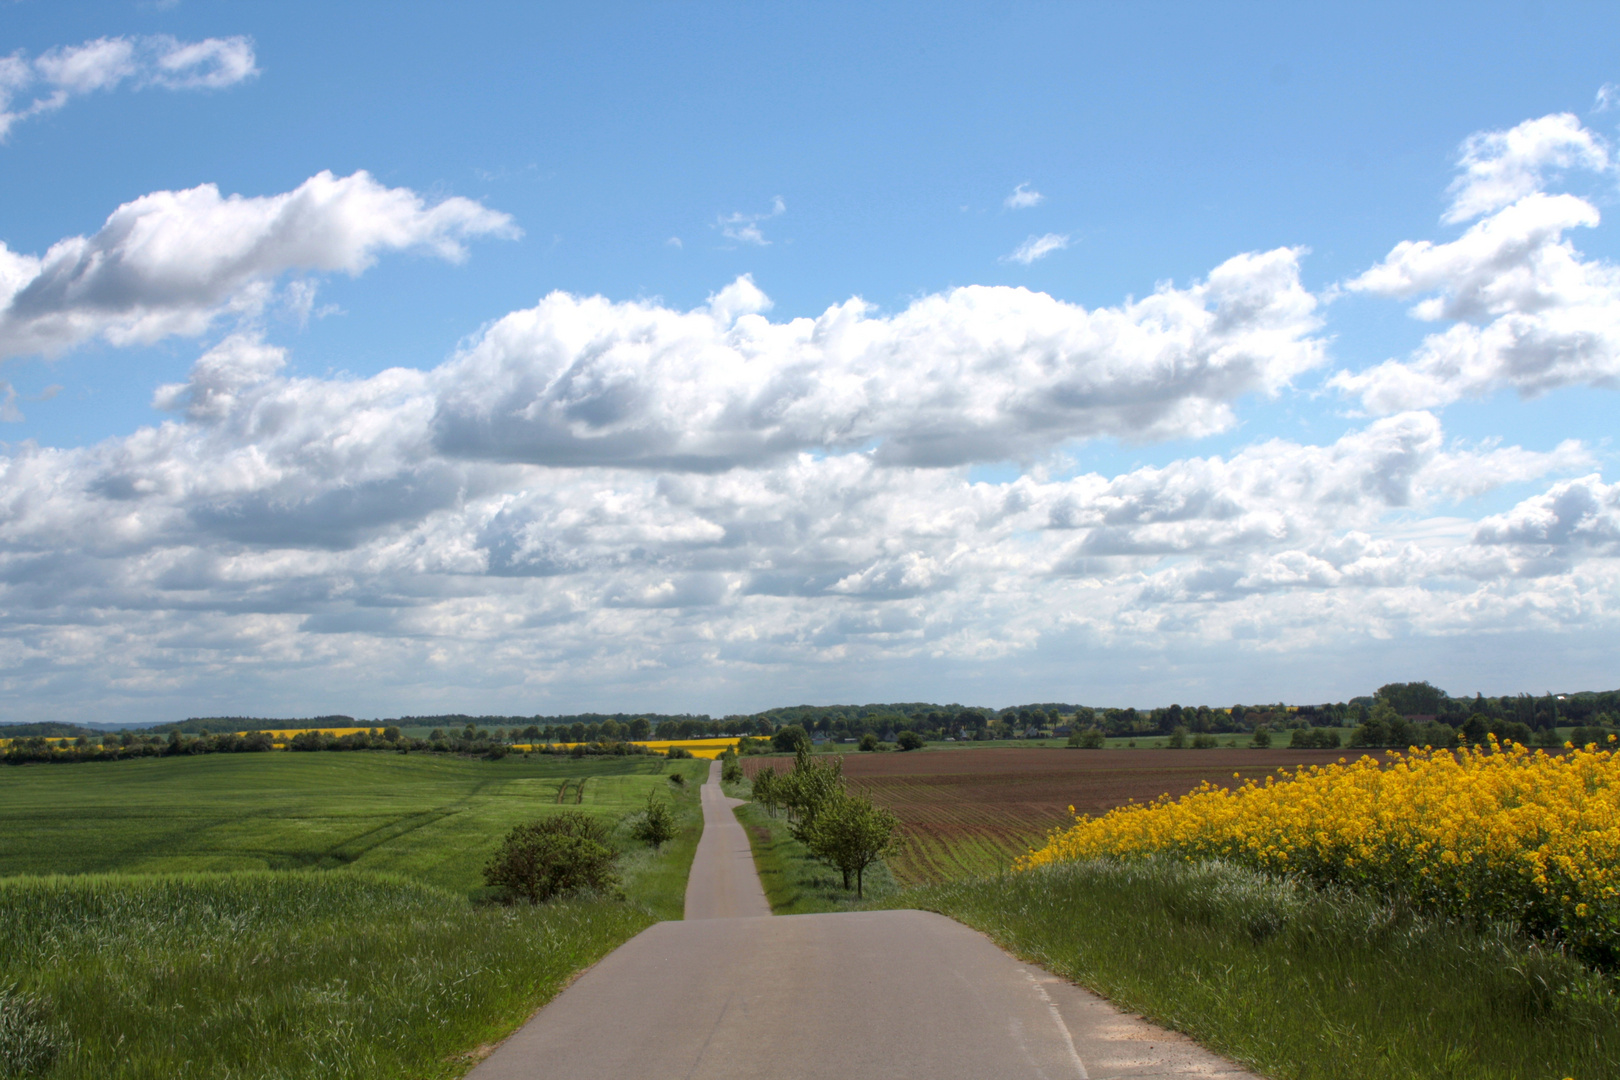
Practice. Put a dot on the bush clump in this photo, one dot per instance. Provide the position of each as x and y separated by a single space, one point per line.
554 856
655 825
789 739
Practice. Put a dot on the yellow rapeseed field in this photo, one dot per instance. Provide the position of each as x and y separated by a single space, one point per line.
335 732
1494 831
700 748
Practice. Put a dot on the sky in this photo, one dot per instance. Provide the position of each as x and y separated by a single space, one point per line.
393 359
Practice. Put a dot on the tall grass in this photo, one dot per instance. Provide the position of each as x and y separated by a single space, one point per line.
284 974
1298 982
656 880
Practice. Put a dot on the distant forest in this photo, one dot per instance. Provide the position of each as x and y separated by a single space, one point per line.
1418 701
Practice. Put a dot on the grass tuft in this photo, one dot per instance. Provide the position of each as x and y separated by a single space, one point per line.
29 1041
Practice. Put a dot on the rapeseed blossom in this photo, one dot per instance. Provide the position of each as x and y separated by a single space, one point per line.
1492 831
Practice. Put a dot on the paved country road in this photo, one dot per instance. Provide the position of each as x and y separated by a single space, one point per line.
729 993
723 883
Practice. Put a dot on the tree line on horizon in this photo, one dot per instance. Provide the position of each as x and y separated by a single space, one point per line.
1416 701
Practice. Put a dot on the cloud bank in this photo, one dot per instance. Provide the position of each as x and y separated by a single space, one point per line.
621 492
281 523
603 493
977 374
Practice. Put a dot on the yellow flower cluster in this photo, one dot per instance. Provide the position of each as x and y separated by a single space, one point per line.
1494 831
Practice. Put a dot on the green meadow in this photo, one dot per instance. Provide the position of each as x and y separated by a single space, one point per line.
434 818
300 915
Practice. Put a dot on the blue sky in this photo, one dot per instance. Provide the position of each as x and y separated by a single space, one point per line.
1079 492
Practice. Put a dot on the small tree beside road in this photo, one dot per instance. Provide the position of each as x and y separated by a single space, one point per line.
850 833
657 824
767 789
806 788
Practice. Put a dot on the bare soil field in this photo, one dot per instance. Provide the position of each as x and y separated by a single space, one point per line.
966 812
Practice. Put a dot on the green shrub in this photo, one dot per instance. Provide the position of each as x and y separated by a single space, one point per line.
1090 739
656 824
1314 739
868 743
678 753
910 740
554 856
1201 741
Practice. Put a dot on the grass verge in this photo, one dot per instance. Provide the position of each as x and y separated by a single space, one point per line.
657 880
285 974
795 882
1296 982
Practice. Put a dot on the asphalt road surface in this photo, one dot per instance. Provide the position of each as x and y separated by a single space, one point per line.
732 994
723 883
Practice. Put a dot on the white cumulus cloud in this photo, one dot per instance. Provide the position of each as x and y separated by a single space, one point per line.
170 263
976 374
1529 311
45 83
1499 167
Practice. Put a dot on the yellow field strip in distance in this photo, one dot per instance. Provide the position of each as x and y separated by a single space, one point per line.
700 748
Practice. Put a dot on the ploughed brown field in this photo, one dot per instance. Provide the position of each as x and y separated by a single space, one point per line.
965 812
